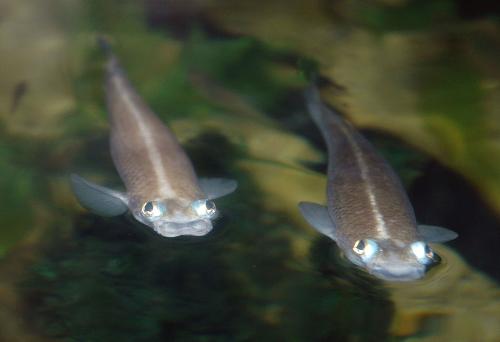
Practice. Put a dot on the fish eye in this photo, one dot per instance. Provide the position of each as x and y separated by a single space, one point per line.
359 247
366 248
423 252
153 209
204 208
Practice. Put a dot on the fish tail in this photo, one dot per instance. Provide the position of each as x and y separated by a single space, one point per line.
104 44
314 104
317 109
112 65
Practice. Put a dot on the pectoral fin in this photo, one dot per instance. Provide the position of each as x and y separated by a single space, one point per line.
436 234
100 200
217 187
317 216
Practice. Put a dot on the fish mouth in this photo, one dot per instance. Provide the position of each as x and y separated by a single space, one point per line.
173 229
398 274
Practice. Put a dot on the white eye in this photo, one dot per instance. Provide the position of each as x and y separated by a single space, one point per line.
365 248
153 209
423 252
204 208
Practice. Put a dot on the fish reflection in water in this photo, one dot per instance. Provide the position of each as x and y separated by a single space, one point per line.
163 191
368 214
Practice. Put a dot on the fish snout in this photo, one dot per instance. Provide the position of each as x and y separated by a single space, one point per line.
398 272
173 229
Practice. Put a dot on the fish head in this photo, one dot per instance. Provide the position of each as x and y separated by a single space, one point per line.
393 260
175 217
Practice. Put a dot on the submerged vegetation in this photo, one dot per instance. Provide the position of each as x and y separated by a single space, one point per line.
114 280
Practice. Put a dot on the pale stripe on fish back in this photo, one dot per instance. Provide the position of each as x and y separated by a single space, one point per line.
366 197
147 155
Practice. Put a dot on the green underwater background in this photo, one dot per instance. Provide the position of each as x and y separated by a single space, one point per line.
419 78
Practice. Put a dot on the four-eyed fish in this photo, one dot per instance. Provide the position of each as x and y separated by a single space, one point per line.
163 191
368 213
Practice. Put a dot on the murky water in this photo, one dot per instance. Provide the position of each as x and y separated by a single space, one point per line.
420 79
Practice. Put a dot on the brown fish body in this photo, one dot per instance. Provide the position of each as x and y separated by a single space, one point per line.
365 197
368 213
146 154
163 191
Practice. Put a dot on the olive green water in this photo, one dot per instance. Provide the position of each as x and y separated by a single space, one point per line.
419 78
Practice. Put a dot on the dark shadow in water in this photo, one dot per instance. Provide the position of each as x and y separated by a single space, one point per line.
116 280
212 154
479 9
442 197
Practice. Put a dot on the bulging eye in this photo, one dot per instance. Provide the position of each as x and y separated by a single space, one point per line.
204 208
423 252
366 248
359 247
153 209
